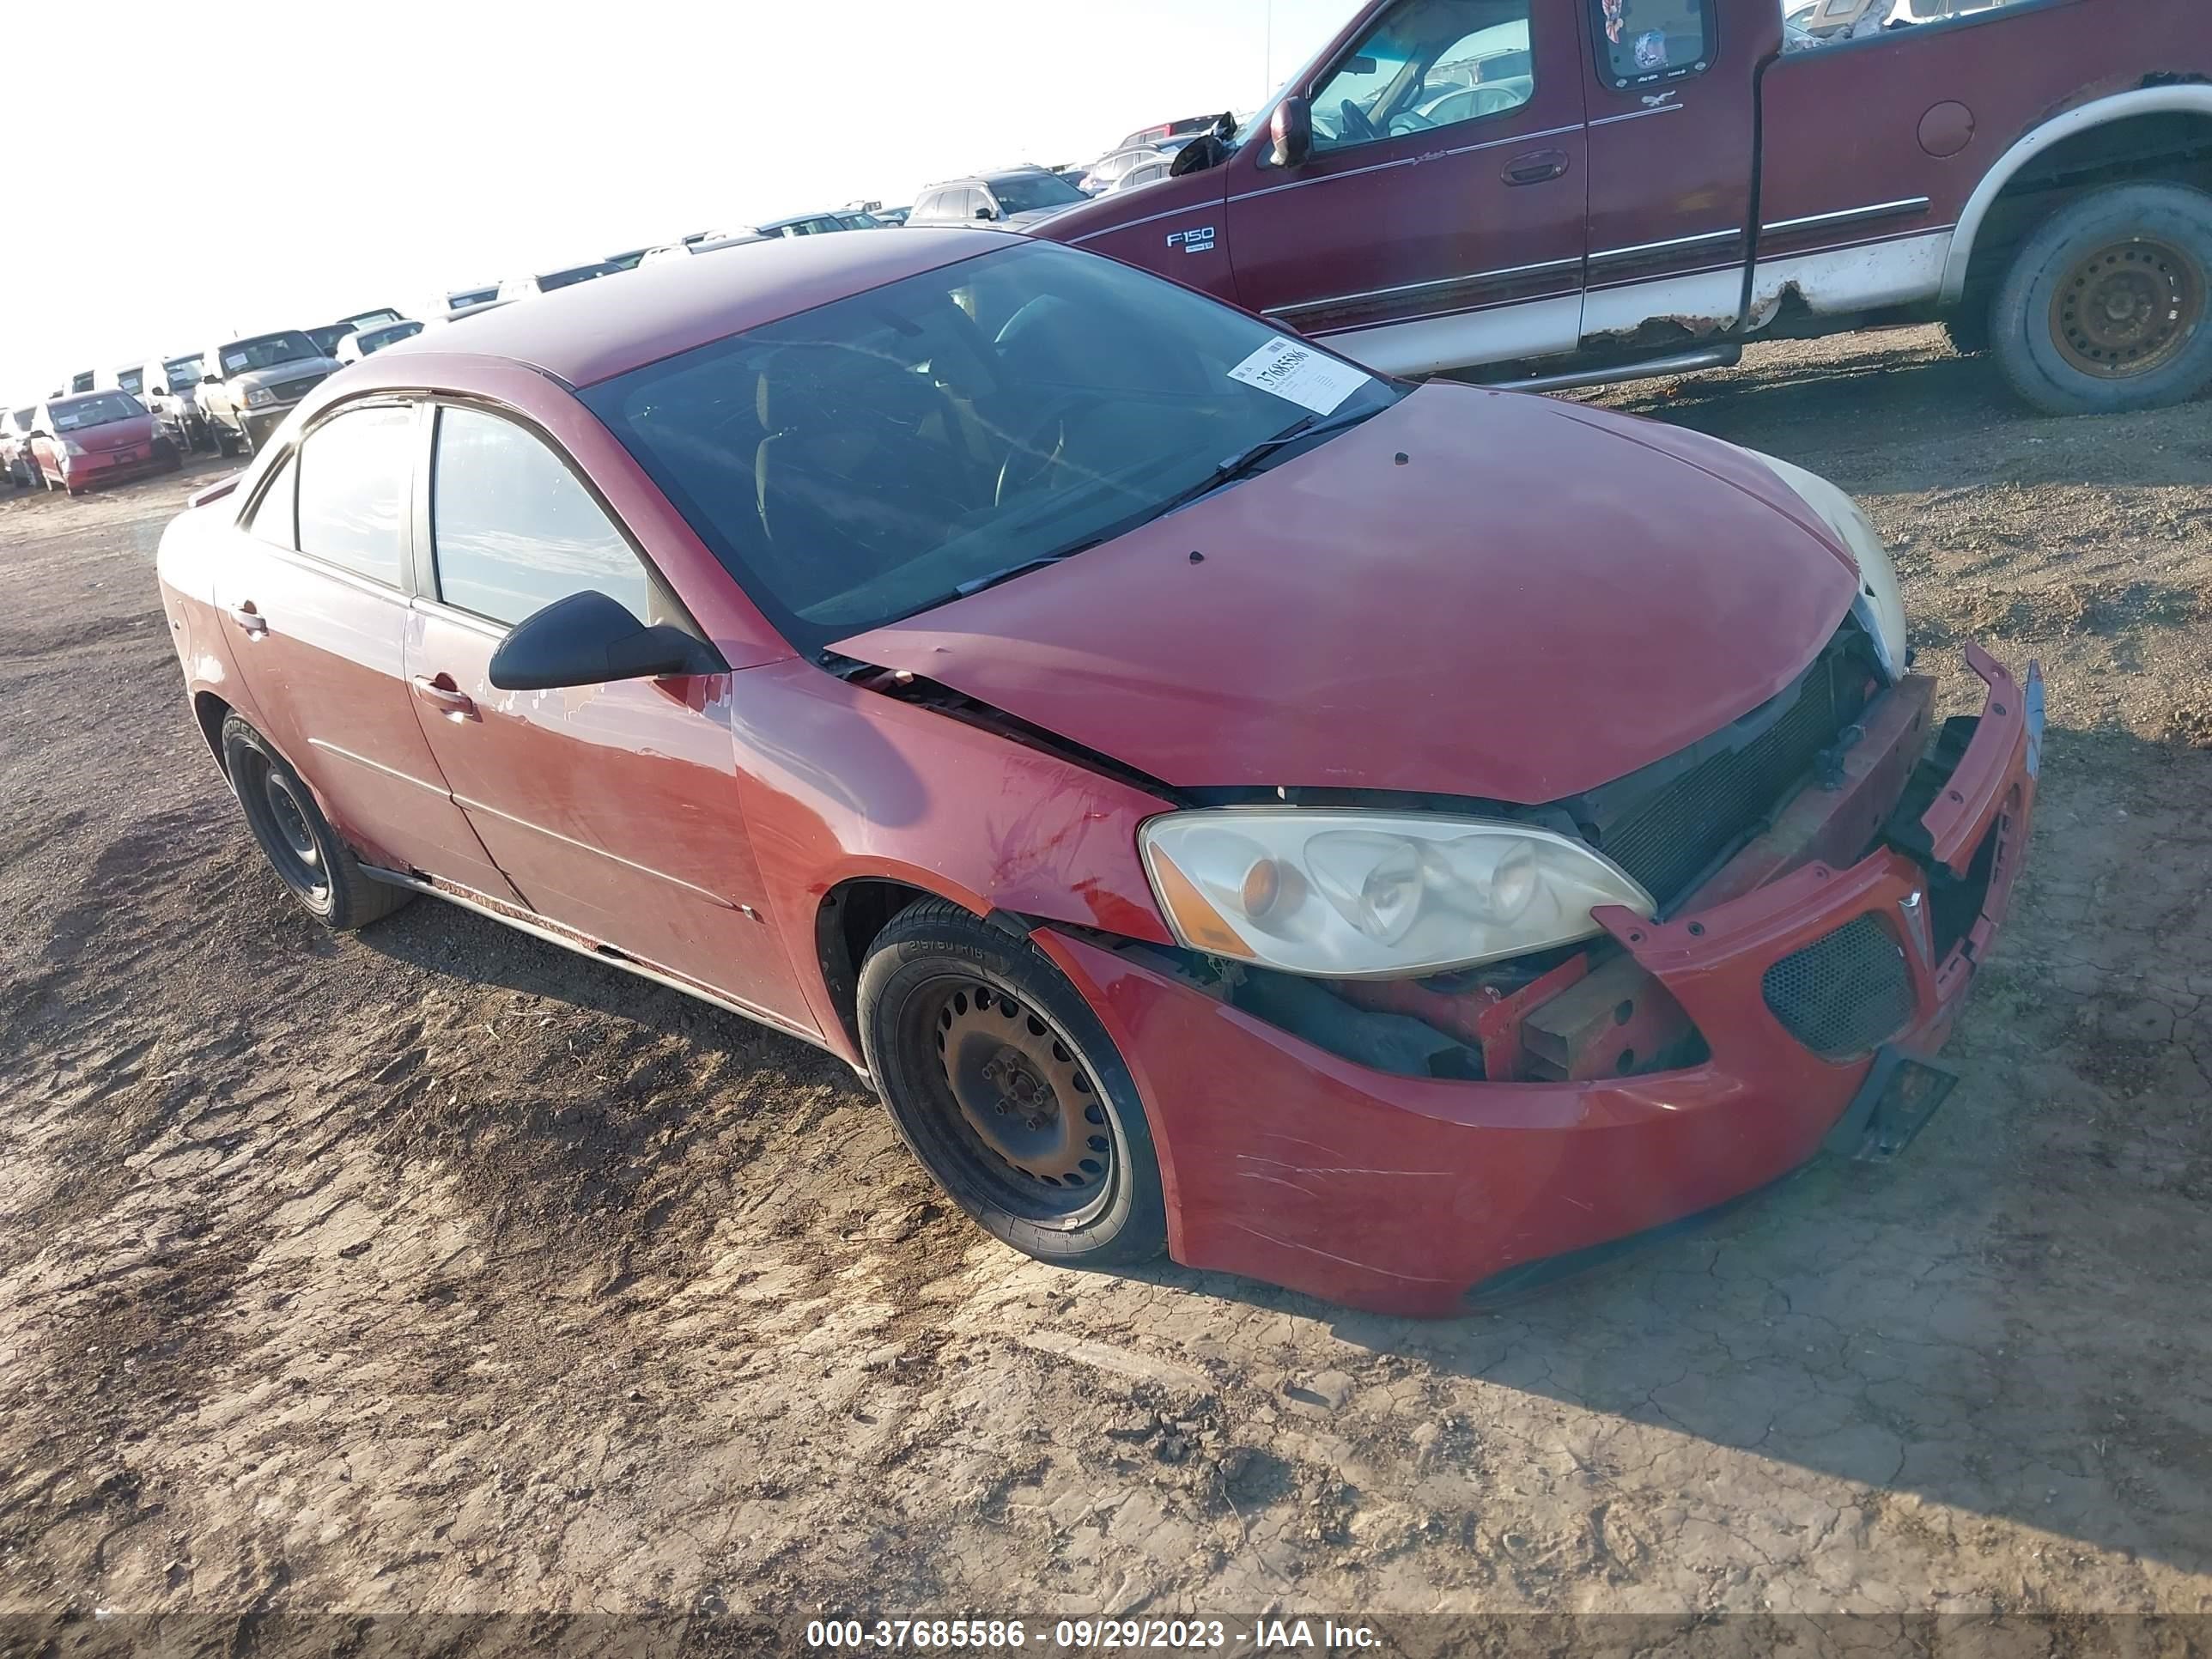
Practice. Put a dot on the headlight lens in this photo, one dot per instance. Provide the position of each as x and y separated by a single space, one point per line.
1879 604
71 447
1351 894
256 396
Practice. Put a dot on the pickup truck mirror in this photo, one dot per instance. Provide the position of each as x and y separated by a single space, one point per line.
588 639
984 213
1292 128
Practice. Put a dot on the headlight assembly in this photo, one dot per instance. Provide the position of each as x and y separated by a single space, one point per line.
1879 605
258 397
1357 894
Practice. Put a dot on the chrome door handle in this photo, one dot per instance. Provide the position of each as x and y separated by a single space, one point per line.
251 620
448 699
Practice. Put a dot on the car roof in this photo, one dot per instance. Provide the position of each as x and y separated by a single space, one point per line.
594 330
86 397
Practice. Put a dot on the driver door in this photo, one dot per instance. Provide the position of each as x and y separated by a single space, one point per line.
1439 221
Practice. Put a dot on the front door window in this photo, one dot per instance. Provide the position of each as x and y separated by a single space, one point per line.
1428 64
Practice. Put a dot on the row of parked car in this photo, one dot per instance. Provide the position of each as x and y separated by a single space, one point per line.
110 425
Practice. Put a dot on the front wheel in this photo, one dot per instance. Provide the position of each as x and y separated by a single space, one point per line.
2104 307
1007 1088
310 858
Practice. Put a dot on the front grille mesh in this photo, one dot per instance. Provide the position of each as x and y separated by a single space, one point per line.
1667 841
1845 993
291 390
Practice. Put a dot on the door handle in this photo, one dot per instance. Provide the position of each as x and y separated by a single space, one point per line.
448 699
248 618
1536 168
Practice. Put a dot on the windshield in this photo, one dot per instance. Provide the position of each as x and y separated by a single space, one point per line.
328 336
102 410
1025 192
266 351
864 460
376 339
181 372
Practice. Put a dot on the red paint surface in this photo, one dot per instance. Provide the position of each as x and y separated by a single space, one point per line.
1438 626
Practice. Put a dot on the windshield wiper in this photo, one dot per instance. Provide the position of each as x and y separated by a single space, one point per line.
977 584
1244 465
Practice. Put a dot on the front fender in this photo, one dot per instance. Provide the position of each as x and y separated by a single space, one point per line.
839 783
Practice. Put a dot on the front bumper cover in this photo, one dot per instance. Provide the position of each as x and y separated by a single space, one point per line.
1289 1164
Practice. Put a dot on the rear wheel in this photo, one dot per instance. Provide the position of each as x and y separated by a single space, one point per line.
307 855
1007 1088
2105 308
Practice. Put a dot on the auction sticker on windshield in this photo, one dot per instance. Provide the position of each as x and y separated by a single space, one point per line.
1298 373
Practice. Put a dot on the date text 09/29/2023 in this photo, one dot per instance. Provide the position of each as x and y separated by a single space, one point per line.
1322 1635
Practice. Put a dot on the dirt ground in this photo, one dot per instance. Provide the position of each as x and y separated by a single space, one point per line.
435 1269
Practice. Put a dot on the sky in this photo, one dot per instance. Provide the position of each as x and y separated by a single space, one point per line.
185 173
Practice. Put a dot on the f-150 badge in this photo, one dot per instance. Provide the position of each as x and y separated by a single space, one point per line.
1192 241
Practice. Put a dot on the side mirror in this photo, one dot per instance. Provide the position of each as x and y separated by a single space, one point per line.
157 391
1292 128
587 639
984 213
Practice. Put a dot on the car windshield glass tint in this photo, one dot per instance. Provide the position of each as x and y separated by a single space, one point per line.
266 351
376 339
94 411
866 459
185 372
1026 192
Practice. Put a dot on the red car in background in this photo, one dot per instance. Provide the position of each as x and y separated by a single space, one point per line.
100 437
1368 837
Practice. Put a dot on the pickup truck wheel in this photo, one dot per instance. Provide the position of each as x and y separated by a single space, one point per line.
309 857
1008 1089
2105 307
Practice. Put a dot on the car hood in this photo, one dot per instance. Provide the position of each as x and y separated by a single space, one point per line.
279 373
1471 593
112 434
1034 216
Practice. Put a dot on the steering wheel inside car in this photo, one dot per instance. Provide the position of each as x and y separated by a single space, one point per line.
1035 453
1354 124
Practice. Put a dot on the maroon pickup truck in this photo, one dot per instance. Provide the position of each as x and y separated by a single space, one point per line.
1555 192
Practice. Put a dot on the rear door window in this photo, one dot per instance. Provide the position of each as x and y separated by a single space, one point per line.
512 530
1641 42
355 474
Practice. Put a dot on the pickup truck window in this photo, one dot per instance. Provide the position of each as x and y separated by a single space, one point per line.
1428 64
1642 41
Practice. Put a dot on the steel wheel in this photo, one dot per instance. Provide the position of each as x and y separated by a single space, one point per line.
2128 308
1014 1097
286 832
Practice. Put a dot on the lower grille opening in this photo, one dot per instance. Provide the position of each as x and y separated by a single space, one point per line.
1844 994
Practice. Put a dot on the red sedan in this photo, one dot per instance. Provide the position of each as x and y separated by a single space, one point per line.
100 437
1378 839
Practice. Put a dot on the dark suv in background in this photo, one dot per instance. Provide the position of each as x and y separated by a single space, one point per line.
1013 198
248 387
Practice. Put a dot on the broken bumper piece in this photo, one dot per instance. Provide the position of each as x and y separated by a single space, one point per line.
1821 992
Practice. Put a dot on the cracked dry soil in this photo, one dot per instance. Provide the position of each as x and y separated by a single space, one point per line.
435 1269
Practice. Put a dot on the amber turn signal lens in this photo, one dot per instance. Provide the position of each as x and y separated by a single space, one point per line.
1198 922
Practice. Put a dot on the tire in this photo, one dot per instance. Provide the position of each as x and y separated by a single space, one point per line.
1086 1190
225 445
1968 330
2105 308
315 864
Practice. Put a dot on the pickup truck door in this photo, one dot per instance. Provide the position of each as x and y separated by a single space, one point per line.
1674 132
1439 219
